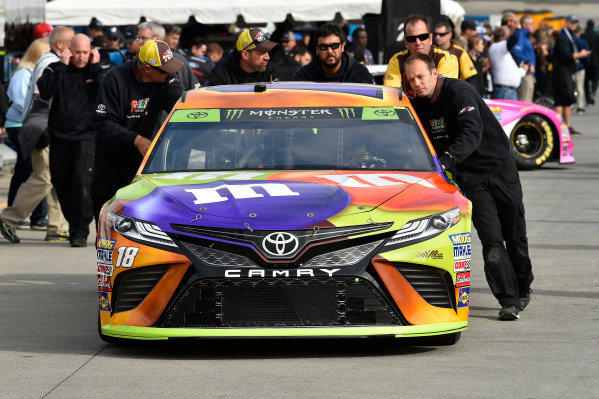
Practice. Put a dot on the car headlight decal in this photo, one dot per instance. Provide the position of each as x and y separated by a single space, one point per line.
426 227
138 230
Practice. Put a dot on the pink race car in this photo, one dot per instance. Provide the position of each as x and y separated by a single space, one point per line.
538 134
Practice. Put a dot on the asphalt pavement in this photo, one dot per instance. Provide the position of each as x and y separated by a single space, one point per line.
49 346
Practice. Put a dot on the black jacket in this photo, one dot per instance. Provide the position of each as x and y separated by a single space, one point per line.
350 71
228 72
467 137
563 54
127 108
73 92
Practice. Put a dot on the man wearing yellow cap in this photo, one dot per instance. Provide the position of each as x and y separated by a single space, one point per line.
130 107
249 64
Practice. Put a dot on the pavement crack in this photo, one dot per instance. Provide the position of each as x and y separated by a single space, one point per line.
74 372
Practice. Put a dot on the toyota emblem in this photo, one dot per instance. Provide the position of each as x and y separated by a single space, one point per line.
280 243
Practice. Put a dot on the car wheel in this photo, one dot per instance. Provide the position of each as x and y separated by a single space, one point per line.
532 141
545 101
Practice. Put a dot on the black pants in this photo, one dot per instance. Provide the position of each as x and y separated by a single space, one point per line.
591 82
21 173
110 174
498 215
71 165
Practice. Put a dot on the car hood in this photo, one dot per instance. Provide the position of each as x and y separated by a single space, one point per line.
272 200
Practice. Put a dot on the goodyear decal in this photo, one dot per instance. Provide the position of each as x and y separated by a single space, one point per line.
378 113
196 115
104 302
464 297
462 279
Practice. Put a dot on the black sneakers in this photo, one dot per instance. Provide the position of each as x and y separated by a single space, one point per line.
78 242
525 299
8 232
509 313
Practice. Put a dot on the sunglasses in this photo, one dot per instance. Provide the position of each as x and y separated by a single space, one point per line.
325 46
422 37
441 34
261 37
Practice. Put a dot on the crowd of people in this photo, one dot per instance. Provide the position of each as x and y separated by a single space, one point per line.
84 109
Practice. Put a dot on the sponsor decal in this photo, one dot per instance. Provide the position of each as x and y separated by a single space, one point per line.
437 125
138 106
104 283
126 256
106 270
167 55
234 113
464 238
105 243
240 191
197 115
104 255
461 265
462 251
347 113
104 302
263 273
467 108
210 176
374 179
464 297
462 279
301 113
432 254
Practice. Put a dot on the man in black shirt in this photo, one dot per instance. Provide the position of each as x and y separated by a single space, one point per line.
472 145
73 83
249 64
131 102
332 64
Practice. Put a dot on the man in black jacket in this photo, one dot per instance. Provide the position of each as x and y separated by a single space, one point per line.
73 83
332 64
129 113
471 144
249 64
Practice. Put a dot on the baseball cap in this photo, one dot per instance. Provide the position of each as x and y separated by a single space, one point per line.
287 36
158 54
255 38
113 33
468 24
571 18
42 30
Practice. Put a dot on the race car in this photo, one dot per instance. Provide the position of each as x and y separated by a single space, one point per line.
286 210
537 134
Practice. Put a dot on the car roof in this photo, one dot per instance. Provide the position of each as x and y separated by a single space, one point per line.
292 94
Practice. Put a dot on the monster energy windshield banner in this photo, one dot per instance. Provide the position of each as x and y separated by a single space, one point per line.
249 114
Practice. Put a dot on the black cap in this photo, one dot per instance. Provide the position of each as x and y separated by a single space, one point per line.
571 18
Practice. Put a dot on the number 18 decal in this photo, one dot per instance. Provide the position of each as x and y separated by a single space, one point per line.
126 256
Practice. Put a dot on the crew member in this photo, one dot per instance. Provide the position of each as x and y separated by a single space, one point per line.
472 145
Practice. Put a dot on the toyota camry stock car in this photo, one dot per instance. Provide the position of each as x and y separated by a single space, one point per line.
286 210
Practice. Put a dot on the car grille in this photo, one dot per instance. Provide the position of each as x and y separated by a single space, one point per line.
280 302
343 257
132 286
433 285
215 257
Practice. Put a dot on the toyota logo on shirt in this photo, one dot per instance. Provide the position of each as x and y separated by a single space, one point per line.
280 244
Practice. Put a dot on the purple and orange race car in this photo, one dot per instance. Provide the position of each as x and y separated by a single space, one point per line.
538 134
286 210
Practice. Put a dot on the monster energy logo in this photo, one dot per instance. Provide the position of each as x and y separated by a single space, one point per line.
345 113
234 113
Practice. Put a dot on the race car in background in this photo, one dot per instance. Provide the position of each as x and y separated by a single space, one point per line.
538 134
286 210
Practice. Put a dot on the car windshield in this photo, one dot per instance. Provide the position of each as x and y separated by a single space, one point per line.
376 138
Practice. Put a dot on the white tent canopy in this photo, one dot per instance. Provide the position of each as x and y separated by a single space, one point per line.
127 12
21 11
